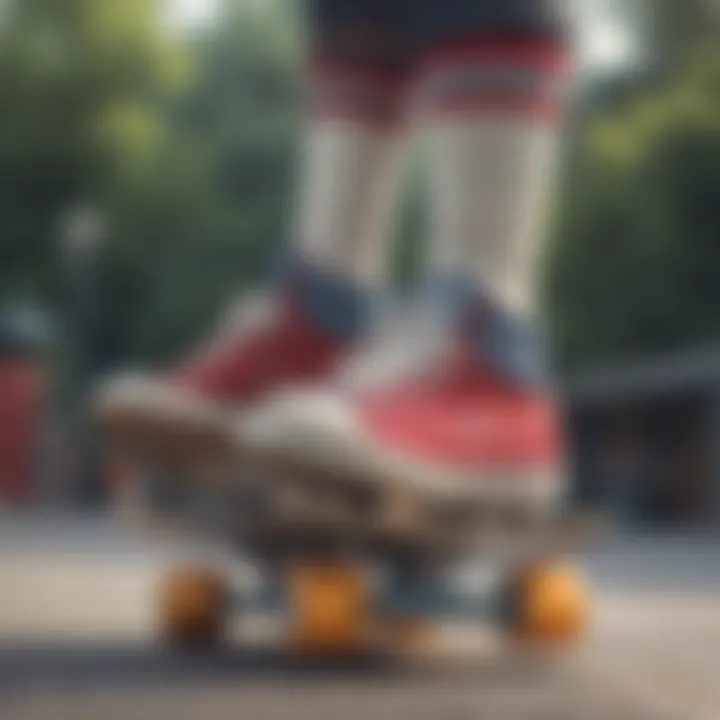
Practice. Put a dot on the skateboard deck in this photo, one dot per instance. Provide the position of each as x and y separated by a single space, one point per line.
282 518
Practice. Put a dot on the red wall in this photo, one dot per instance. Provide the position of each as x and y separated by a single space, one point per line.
20 403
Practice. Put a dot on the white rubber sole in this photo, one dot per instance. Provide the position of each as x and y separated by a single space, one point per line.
162 419
360 462
188 431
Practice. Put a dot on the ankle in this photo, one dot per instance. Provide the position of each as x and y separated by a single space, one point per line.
507 340
337 305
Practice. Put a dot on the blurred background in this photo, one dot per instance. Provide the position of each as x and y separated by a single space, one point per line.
146 163
147 153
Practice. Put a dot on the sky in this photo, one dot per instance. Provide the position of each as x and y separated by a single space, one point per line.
606 44
190 13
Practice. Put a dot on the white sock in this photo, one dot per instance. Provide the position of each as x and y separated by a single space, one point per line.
350 171
493 181
492 107
347 207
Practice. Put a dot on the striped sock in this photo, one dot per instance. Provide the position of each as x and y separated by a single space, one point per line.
493 105
350 172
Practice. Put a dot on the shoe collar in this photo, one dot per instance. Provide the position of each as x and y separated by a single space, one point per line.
506 343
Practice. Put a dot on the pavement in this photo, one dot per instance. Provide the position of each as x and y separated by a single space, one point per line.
76 642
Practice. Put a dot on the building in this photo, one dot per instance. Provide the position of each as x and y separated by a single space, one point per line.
646 439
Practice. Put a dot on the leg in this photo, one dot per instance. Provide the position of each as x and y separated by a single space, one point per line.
492 93
467 406
359 72
336 260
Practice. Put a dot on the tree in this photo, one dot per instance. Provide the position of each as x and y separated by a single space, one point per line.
635 267
202 216
675 28
186 141
74 79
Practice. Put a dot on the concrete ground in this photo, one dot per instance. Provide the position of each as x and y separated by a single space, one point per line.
76 643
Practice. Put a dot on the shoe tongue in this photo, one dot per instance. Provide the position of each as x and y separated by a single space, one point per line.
508 344
337 305
443 299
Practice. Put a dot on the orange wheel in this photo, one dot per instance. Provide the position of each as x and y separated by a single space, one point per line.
330 609
546 603
192 605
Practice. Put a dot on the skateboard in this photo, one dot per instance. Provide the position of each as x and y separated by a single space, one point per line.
323 540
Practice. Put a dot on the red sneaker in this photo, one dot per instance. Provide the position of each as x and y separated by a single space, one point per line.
272 341
458 416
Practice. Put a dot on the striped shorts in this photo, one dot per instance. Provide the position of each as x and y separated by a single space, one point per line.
468 54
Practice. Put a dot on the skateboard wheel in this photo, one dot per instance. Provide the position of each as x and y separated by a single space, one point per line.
192 606
545 603
330 609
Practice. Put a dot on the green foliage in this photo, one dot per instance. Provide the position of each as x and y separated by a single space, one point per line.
676 27
202 215
636 264
185 142
72 75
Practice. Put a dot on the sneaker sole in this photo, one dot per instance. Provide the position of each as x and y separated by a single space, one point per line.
392 494
168 425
